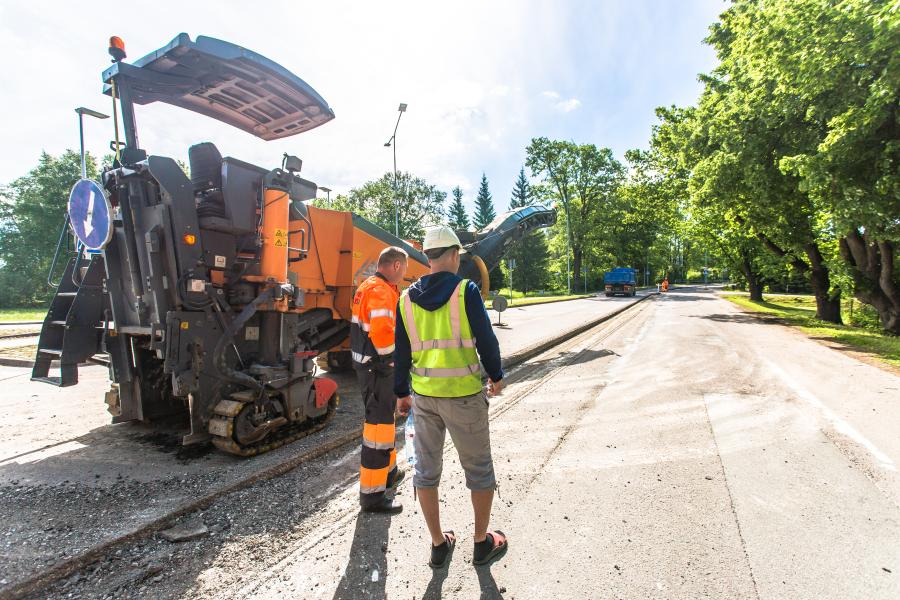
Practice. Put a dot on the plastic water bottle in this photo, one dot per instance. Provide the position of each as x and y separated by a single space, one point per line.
409 432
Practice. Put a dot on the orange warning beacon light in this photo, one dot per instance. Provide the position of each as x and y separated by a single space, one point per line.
116 48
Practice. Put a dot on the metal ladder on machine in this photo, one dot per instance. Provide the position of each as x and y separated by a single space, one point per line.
73 328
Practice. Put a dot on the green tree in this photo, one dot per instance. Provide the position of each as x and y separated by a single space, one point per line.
834 69
529 253
484 205
32 210
584 179
641 222
733 144
420 203
553 162
456 215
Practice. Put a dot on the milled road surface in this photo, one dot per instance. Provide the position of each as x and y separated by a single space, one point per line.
681 450
69 480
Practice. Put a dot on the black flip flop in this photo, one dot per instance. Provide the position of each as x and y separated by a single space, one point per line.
440 555
496 550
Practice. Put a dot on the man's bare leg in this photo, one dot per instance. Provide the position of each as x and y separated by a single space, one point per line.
481 503
428 500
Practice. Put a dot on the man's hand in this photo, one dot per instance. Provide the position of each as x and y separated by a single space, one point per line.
495 387
404 404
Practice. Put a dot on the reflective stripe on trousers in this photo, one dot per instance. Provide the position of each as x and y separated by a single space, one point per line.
360 358
378 458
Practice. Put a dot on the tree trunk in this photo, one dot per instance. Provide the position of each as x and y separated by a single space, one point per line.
828 305
872 268
754 281
577 254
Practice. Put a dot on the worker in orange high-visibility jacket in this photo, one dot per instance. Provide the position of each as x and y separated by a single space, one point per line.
372 347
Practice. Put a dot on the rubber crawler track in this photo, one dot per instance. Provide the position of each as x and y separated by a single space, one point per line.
278 438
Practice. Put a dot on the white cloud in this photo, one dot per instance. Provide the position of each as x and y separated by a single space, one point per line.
559 104
567 105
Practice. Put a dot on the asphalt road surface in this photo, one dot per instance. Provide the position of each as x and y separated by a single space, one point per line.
69 480
681 450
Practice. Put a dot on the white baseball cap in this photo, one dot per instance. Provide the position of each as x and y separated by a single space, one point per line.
441 237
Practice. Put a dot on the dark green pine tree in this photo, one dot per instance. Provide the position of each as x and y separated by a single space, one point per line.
484 205
521 194
484 214
530 253
457 217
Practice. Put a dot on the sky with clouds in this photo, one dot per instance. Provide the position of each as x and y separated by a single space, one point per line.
480 78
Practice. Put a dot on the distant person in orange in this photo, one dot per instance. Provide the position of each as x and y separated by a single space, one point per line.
665 284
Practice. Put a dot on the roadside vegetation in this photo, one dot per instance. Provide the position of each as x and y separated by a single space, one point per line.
861 332
8 315
521 299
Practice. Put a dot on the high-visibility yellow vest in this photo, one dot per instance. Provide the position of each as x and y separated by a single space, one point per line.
444 360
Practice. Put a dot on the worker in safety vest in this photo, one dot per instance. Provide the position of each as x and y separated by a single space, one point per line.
372 347
442 330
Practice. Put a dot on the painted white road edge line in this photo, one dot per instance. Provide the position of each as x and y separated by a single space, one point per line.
839 424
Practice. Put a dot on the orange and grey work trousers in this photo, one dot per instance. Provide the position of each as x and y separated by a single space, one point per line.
378 459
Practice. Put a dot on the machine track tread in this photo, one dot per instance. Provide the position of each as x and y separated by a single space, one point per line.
276 439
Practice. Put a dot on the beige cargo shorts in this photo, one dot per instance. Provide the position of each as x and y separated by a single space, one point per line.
466 418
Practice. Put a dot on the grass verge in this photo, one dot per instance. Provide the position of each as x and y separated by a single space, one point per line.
22 314
520 300
800 311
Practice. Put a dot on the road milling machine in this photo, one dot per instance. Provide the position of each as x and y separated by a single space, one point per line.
213 294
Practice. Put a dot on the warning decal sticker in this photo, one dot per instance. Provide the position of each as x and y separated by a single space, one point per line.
281 238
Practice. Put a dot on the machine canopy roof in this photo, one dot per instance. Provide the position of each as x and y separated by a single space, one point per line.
228 83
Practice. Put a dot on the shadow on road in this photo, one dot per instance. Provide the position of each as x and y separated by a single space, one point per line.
587 356
740 318
489 589
435 586
536 367
366 571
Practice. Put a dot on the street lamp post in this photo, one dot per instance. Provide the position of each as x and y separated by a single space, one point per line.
393 142
91 113
328 194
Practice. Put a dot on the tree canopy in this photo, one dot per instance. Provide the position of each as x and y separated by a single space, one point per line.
793 143
420 203
32 211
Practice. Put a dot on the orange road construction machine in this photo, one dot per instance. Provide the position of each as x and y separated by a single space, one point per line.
214 294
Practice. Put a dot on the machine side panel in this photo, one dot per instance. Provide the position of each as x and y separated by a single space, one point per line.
176 193
330 230
309 271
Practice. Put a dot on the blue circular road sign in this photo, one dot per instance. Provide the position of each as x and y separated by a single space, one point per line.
90 214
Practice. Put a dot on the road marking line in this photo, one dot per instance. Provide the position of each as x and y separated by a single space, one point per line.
839 424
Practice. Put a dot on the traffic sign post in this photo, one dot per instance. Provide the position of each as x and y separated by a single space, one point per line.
90 214
499 304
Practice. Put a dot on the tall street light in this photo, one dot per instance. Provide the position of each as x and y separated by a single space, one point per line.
393 142
328 193
91 113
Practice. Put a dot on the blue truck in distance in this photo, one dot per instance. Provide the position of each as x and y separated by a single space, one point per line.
620 280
